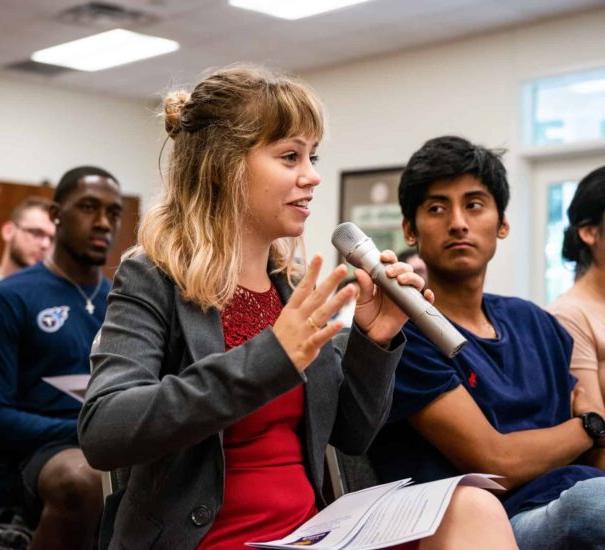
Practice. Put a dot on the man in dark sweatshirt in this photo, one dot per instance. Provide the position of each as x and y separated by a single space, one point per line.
49 315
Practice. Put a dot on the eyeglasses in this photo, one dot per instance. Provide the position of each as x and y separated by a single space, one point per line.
37 233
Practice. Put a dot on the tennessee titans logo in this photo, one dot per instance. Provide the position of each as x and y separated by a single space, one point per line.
53 318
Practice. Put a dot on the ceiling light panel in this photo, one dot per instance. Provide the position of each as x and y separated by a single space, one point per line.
105 50
293 9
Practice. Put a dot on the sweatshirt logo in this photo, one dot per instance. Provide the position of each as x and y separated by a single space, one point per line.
53 318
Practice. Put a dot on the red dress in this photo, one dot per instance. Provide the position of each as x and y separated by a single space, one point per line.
267 491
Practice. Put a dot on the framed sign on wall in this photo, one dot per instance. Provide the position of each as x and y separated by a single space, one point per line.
369 198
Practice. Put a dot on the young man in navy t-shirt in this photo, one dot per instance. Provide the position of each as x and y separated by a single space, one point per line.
49 315
506 404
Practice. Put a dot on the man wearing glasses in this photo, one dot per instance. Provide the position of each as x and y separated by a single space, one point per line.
27 236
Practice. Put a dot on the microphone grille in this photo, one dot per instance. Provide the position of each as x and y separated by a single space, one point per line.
346 237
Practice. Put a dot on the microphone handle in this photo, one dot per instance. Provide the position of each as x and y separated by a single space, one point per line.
429 319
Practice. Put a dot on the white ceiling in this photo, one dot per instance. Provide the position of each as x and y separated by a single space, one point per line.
212 33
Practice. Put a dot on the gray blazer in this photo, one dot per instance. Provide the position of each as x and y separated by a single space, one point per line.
163 389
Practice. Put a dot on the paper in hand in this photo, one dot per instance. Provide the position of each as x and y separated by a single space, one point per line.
72 384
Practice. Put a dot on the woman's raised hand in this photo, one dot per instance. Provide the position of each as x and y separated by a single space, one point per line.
302 328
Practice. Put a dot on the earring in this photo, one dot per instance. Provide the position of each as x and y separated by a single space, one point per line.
56 221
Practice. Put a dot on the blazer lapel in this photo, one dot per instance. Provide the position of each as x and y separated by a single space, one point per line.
203 332
281 284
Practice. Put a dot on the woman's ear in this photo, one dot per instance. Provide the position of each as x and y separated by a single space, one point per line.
504 228
588 234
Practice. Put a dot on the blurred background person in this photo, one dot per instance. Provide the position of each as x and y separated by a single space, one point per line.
582 308
27 236
410 256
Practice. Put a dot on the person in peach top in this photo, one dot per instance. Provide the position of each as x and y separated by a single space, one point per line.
582 308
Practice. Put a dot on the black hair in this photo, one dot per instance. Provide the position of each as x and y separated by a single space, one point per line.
586 208
69 180
447 158
406 254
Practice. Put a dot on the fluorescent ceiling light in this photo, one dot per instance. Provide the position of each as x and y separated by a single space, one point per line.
589 86
104 50
293 9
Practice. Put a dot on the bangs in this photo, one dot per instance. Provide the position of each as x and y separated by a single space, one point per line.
289 109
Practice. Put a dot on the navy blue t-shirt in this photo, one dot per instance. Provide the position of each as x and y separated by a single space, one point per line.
44 331
520 380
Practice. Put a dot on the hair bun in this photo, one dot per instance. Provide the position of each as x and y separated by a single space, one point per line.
173 107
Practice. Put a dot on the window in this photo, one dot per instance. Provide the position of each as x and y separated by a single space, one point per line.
566 108
559 274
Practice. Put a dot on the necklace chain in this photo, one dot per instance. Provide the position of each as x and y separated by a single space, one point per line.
490 326
90 307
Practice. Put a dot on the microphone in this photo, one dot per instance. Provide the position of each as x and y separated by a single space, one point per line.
360 251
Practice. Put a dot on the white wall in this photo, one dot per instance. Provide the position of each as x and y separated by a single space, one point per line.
381 110
46 131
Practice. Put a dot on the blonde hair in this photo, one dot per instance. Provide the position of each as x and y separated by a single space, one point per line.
194 234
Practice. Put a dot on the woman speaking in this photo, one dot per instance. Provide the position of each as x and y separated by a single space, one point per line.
218 378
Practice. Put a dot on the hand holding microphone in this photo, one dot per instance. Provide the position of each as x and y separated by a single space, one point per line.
360 251
376 315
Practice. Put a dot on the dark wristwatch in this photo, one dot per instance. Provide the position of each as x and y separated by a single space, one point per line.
595 427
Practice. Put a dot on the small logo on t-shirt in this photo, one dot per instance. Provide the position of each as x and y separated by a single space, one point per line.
53 318
472 379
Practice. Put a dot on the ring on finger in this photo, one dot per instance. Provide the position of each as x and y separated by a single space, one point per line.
311 322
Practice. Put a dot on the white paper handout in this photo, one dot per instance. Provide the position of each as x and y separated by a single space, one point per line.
380 516
71 384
